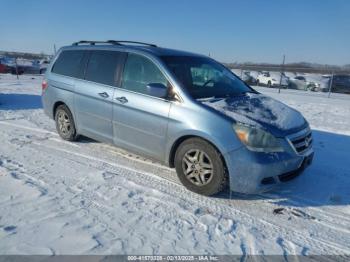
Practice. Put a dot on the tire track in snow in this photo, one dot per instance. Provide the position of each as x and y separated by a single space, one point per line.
174 189
330 212
172 177
103 164
17 171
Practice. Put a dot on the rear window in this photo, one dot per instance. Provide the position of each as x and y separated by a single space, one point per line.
102 67
68 63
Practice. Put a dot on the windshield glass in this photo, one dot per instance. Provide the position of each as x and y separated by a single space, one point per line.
203 77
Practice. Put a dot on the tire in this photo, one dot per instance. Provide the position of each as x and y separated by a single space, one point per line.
269 84
257 82
65 125
200 177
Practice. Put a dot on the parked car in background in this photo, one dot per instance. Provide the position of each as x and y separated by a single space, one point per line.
23 66
3 69
300 83
3 66
290 74
43 66
15 70
40 66
245 76
254 75
272 79
12 66
309 82
185 110
249 78
341 84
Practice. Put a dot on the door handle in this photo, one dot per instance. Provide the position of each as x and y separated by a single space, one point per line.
103 94
122 99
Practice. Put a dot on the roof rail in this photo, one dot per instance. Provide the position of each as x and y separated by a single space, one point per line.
130 42
93 42
113 42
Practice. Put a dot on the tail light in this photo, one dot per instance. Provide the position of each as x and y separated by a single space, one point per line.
44 85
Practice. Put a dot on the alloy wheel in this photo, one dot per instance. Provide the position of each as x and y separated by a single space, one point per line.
197 167
64 124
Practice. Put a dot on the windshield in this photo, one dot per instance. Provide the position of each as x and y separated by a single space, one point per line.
203 77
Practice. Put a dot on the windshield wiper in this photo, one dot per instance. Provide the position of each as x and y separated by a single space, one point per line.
230 95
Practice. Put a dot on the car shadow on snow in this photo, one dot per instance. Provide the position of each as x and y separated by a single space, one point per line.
325 183
19 102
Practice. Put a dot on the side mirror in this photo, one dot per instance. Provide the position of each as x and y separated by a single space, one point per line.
157 90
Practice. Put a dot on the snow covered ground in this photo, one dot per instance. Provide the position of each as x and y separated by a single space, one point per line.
92 198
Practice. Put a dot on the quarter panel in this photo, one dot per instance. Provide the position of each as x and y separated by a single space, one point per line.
60 89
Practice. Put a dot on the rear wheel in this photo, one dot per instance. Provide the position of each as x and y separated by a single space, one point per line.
65 124
200 167
269 84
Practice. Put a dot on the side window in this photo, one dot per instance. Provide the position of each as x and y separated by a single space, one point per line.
68 63
139 72
102 67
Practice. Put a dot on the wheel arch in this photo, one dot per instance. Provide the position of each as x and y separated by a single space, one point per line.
56 105
180 140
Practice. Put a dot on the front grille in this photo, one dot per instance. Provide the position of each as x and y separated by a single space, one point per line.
268 181
289 176
293 174
301 141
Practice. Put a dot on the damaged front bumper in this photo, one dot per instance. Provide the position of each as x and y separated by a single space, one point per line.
256 172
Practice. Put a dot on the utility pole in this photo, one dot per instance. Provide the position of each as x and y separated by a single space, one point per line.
282 70
330 85
54 49
16 67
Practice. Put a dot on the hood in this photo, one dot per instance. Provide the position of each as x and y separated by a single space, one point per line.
260 111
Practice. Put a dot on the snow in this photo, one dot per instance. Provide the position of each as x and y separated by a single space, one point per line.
254 109
323 113
87 197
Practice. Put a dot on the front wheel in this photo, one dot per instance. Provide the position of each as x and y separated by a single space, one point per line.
65 124
200 167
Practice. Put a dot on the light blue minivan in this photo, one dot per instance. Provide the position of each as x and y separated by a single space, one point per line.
182 109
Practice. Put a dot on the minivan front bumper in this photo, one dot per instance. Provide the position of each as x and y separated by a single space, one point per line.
256 172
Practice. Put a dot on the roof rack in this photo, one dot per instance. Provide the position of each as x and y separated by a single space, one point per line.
113 42
91 42
130 42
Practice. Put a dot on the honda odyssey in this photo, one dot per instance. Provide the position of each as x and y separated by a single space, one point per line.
183 109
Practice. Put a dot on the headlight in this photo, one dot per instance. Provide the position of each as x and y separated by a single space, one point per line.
256 139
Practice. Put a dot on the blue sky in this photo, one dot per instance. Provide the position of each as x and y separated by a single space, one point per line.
246 30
